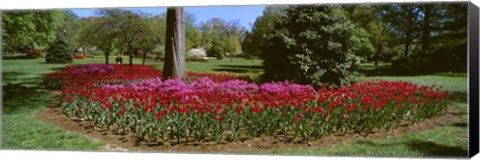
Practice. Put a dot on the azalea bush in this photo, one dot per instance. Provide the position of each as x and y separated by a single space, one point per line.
78 57
211 108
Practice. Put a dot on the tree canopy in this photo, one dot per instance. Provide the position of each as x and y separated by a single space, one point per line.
30 30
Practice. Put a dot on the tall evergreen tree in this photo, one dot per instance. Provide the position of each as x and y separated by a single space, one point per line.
59 51
312 45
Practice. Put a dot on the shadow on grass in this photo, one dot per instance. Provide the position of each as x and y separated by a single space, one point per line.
10 76
430 148
460 124
20 97
372 144
384 71
452 74
458 96
233 70
243 66
17 57
20 94
43 62
389 71
56 69
427 148
239 68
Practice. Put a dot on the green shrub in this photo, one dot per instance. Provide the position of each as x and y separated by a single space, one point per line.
59 51
312 45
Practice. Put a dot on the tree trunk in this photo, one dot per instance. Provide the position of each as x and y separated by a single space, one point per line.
157 58
32 52
426 29
407 45
106 56
174 65
83 51
144 56
377 55
130 60
379 46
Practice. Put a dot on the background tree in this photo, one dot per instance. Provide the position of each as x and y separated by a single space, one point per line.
149 36
235 33
174 65
99 32
367 19
313 45
159 25
232 47
424 29
217 49
193 36
214 33
255 39
405 21
127 28
72 25
226 35
365 47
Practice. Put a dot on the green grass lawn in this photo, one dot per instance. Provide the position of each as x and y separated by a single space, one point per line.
23 97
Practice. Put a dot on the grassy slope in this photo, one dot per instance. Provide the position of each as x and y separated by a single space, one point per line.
23 97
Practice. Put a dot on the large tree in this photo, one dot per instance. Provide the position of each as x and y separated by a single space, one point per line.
174 65
29 30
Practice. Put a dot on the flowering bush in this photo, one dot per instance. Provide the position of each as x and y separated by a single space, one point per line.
93 69
213 108
78 57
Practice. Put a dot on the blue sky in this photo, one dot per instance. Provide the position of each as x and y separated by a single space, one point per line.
246 14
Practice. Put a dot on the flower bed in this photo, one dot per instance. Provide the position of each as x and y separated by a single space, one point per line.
213 108
96 74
